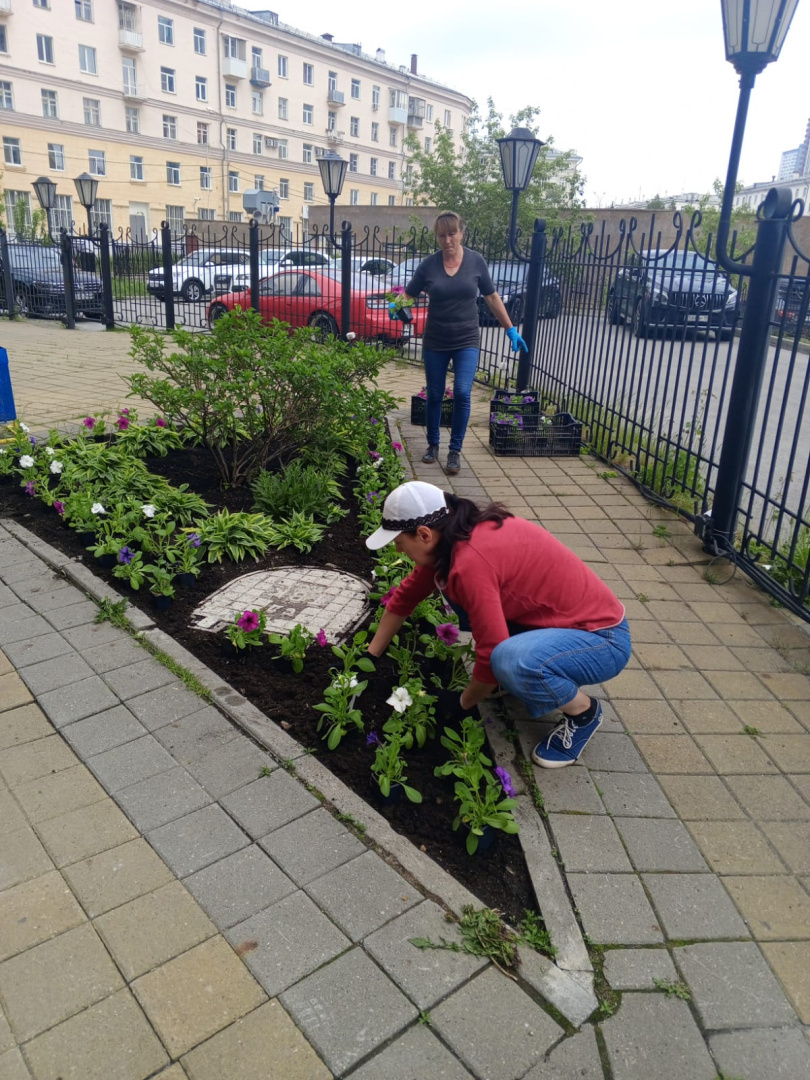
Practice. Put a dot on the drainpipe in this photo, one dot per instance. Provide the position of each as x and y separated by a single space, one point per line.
223 168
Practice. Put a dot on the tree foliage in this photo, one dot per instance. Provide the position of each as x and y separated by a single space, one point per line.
743 231
465 175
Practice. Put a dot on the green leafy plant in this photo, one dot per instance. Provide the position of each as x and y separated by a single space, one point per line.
337 708
113 611
483 933
673 989
300 488
536 934
293 646
234 536
131 567
466 748
481 802
154 439
247 630
388 768
414 715
444 645
300 531
161 580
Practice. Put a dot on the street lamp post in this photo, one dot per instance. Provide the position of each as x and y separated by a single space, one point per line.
86 188
333 172
754 32
45 190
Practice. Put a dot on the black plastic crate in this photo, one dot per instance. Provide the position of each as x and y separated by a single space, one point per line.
505 401
418 405
562 437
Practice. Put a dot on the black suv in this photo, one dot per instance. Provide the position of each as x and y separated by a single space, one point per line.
659 290
39 283
792 307
509 279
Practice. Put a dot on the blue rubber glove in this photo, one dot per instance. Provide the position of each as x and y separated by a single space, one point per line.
517 341
393 311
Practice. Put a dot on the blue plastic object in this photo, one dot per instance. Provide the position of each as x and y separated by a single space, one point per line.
7 410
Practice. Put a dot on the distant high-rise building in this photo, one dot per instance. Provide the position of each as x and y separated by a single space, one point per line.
796 162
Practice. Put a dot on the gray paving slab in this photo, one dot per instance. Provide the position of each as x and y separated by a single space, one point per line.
200 838
614 909
196 734
238 886
286 942
231 766
588 842
694 907
762 1054
162 798
312 846
163 706
565 790
659 844
7 596
55 673
656 1036
611 752
424 975
46 593
125 765
733 986
576 1058
494 1027
347 1009
75 702
363 895
35 650
102 732
89 636
269 803
78 614
18 624
108 655
636 969
632 795
415 1055
24 567
135 679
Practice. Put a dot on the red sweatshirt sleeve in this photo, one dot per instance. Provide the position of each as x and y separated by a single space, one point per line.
412 590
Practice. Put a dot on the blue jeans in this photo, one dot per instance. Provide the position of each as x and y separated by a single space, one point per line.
465 364
546 668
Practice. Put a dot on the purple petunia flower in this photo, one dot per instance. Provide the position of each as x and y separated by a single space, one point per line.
448 632
122 423
529 399
372 496
505 781
397 446
126 555
422 393
194 540
321 639
374 455
374 421
123 412
32 439
372 739
384 599
89 422
160 422
59 506
30 487
249 620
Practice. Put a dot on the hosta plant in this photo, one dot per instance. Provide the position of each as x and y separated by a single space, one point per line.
300 531
234 536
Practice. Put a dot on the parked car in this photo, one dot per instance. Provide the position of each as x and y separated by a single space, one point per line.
402 273
271 261
656 290
193 276
38 279
792 310
313 298
509 279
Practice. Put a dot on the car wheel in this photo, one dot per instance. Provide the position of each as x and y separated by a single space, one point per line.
515 311
613 314
324 325
640 325
193 291
725 334
554 307
216 311
22 301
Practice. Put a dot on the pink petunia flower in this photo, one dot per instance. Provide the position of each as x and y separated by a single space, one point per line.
160 422
30 487
122 423
89 422
374 455
59 506
384 599
249 620
448 632
320 638
397 446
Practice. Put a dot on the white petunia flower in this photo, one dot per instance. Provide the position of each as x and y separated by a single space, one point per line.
56 466
24 427
148 510
97 508
26 461
2 451
400 699
49 450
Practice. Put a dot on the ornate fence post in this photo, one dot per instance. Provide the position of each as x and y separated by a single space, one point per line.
106 276
168 281
70 284
8 277
346 278
531 311
253 251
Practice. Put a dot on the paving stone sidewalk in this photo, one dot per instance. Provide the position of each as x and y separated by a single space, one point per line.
684 834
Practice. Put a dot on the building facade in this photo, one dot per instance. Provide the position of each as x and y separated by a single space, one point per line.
178 107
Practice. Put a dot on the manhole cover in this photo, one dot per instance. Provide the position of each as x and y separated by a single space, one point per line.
290 595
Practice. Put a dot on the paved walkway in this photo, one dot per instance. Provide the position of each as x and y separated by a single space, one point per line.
167 911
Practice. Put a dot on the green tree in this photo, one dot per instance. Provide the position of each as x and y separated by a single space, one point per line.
466 176
743 220
656 203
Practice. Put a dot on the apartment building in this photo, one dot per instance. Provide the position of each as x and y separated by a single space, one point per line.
177 107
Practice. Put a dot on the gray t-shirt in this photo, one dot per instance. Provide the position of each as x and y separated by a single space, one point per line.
452 319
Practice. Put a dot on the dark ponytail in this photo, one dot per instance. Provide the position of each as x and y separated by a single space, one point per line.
458 525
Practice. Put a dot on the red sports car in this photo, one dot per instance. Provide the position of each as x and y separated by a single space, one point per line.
309 298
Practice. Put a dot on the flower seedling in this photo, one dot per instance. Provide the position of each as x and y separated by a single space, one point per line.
389 769
481 802
338 711
293 646
414 715
247 630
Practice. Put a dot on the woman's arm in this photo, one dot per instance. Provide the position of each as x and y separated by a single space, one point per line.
389 627
496 306
475 692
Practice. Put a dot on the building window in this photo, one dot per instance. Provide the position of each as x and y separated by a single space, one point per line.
13 200
12 153
372 168
392 200
447 118
202 134
307 158
45 4
45 49
409 202
205 177
258 182
130 75
206 214
256 57
56 156
375 97
354 197
173 173
428 144
101 214
282 67
135 167
283 149
257 143
201 85
127 16
309 191
176 219
233 181
429 113
84 10
283 108
392 170
356 89
199 41
98 162
309 75
133 119
234 215
257 103
331 81
92 112
3 40
354 126
230 95
353 160
165 30
307 116
234 47
409 173
284 189
7 98
62 213
375 131
374 198
331 120
169 126
167 80
230 138
87 60
392 136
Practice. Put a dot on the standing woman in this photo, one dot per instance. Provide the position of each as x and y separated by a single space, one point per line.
452 278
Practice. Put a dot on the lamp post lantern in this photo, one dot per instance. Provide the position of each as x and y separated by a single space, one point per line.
86 188
45 190
519 150
333 172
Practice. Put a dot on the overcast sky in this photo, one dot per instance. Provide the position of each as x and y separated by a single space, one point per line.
640 89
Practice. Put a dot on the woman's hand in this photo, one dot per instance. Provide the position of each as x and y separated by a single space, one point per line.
475 692
517 341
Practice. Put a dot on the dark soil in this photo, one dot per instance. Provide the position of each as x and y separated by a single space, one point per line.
499 877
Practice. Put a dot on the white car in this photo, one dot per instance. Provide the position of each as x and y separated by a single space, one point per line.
193 276
271 261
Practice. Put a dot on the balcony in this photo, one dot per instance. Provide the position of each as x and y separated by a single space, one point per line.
6 7
415 121
259 76
335 97
234 68
334 136
397 115
133 93
131 40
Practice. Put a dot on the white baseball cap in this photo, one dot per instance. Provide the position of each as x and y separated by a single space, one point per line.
406 508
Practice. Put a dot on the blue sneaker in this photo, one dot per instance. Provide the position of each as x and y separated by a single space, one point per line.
566 743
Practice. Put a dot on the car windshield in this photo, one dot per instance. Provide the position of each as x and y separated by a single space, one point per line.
38 258
684 260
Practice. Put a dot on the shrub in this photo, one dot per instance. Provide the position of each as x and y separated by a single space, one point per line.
301 488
